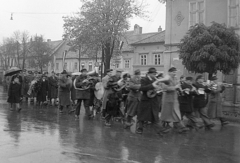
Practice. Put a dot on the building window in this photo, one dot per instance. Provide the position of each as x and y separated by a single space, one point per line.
233 9
143 59
90 66
117 65
196 13
157 59
127 64
83 65
57 66
75 66
65 66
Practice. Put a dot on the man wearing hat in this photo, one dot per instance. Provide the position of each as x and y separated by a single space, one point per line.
134 97
42 92
107 91
83 95
200 101
53 88
148 107
26 83
215 101
170 106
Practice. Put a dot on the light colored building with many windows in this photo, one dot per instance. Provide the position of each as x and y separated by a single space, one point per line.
180 15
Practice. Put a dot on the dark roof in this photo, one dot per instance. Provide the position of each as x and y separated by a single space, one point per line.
156 38
129 37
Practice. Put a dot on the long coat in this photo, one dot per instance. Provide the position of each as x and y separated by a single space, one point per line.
64 91
26 84
82 94
170 106
186 99
14 93
107 91
134 95
215 103
148 107
43 90
53 87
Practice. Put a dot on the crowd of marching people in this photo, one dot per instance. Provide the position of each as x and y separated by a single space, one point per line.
162 101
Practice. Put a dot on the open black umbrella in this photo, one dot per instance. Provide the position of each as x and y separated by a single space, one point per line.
12 71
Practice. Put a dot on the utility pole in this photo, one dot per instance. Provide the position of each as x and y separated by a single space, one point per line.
79 58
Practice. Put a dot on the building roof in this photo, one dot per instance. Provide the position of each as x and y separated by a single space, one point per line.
129 37
158 37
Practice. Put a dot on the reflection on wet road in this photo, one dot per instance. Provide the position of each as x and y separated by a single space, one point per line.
42 135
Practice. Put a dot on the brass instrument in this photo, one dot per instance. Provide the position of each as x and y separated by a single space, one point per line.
152 93
87 82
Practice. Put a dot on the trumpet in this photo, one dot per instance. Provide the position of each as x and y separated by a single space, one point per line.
227 85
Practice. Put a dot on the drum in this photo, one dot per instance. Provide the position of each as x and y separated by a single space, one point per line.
99 90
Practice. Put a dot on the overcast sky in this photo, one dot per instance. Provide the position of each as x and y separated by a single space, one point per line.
45 17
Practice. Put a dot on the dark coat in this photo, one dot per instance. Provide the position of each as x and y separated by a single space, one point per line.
82 94
64 91
107 91
200 100
42 92
53 87
113 103
14 93
148 108
134 96
25 85
186 100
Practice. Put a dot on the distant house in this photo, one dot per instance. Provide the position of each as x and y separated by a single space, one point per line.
142 50
71 63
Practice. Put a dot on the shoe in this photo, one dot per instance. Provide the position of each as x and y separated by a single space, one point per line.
183 130
139 131
71 111
91 116
107 124
19 109
165 130
210 126
127 125
224 123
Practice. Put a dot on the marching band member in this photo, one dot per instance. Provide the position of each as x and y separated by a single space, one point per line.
82 95
42 90
215 101
186 102
170 105
64 89
133 98
200 101
53 89
148 107
107 91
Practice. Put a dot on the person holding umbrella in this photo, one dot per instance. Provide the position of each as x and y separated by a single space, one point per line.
14 93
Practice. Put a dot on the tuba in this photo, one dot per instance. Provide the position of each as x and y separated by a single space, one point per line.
88 82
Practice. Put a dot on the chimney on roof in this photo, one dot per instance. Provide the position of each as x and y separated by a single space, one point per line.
137 29
48 40
159 29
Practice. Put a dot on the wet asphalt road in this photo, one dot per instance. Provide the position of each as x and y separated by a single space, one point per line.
42 135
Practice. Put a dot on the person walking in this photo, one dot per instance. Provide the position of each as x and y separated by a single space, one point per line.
215 102
200 101
14 93
134 97
53 89
83 94
148 107
170 106
64 89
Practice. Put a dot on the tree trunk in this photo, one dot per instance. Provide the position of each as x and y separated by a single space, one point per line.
107 57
